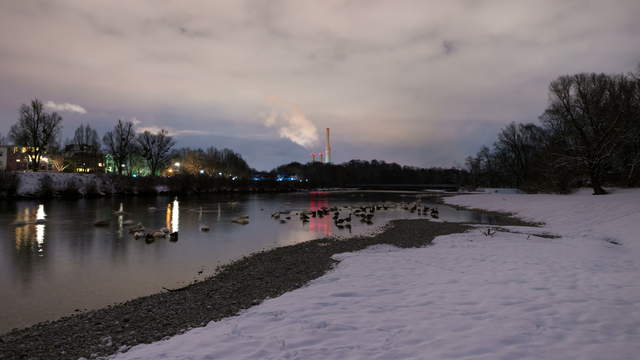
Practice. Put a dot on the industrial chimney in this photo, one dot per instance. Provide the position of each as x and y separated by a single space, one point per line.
327 150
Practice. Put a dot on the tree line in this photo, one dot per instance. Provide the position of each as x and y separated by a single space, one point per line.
589 135
360 172
37 131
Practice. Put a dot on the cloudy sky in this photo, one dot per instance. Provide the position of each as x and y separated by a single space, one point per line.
417 82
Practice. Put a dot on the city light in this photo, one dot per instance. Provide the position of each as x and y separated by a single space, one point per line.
177 164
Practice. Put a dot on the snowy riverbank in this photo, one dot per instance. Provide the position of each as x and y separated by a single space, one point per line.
470 296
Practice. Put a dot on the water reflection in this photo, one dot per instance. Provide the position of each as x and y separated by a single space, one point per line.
30 230
319 225
40 218
175 216
172 219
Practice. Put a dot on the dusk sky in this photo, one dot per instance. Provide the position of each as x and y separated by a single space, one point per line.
421 83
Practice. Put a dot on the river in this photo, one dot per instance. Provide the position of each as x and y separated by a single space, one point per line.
55 262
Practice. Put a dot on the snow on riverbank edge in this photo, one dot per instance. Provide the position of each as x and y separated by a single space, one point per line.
470 296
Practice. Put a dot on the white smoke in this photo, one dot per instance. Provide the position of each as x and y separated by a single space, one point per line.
65 107
292 124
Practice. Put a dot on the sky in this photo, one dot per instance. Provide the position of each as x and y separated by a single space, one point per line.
422 83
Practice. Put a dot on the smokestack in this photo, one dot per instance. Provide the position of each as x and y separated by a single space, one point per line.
321 157
327 149
313 157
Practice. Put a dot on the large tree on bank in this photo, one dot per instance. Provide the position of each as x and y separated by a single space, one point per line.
155 149
590 113
120 143
36 130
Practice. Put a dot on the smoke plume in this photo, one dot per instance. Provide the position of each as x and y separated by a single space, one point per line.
292 123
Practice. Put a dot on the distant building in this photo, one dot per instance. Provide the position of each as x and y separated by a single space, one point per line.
15 158
83 158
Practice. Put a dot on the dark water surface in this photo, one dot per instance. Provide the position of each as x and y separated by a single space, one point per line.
65 264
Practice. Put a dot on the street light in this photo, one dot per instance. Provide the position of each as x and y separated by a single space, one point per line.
177 164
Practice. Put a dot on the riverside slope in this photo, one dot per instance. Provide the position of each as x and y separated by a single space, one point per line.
469 296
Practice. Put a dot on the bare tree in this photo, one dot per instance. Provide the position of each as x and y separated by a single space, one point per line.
120 143
516 147
36 130
155 149
590 112
85 136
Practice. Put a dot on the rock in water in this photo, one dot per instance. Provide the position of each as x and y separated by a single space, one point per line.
204 228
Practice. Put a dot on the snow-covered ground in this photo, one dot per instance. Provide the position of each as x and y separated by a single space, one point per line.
470 296
30 182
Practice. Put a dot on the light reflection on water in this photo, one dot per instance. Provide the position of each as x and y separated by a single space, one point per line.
65 259
30 229
175 216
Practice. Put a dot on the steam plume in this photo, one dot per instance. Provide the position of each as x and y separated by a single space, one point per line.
292 123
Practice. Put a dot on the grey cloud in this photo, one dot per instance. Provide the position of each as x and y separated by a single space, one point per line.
385 75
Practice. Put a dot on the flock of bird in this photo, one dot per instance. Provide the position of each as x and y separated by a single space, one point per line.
344 216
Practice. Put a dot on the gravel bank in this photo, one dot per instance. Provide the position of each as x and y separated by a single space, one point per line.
237 286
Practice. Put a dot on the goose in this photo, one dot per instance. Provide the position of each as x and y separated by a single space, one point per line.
101 223
148 238
243 220
120 211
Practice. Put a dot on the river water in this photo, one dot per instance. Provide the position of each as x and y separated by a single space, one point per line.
64 264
